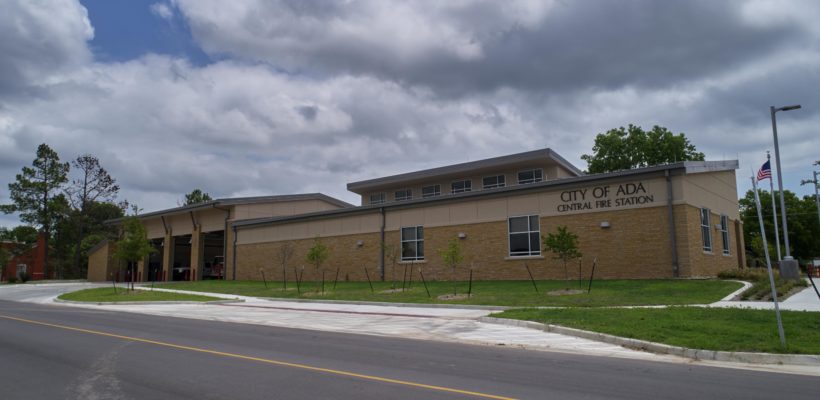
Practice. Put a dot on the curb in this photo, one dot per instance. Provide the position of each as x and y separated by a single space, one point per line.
389 304
695 354
116 303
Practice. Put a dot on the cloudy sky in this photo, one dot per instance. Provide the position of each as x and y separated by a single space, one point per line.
257 97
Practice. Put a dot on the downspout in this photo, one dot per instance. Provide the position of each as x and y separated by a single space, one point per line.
234 254
672 231
381 247
224 237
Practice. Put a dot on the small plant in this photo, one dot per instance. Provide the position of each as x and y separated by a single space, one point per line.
564 244
392 254
134 245
317 254
285 252
452 256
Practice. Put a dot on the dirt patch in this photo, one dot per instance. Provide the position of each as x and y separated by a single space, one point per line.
448 297
565 292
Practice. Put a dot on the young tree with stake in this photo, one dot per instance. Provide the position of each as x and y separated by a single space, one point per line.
452 257
564 244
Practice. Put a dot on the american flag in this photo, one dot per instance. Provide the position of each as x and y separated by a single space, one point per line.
765 172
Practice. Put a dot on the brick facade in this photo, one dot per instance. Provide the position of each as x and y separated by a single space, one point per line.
636 245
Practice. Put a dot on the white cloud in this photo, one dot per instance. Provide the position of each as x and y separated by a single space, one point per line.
162 10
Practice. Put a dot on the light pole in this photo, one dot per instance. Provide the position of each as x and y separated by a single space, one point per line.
816 195
774 110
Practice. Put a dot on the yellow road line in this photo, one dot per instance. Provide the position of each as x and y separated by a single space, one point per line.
264 360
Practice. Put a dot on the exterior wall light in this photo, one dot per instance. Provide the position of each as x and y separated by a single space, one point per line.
359 243
605 225
462 235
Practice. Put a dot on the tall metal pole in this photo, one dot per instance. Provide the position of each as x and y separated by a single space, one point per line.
774 208
773 110
816 196
769 265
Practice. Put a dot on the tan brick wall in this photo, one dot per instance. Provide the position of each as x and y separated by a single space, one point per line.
101 264
636 245
699 262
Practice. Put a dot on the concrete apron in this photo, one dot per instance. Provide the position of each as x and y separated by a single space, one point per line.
425 323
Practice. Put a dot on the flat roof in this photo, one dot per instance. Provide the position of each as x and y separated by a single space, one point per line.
688 167
243 200
464 168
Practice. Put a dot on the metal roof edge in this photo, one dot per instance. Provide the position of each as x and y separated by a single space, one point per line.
465 167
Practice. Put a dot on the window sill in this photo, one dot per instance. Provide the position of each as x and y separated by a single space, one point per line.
708 253
412 262
513 258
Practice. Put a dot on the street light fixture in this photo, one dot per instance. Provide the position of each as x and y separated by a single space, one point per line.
816 194
774 110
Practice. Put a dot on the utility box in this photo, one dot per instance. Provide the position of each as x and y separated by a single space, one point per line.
789 269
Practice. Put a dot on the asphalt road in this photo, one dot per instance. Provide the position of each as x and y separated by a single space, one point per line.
53 352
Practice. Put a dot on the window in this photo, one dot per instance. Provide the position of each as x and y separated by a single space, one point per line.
377 198
492 182
431 191
724 233
404 194
412 243
705 232
461 186
530 176
525 236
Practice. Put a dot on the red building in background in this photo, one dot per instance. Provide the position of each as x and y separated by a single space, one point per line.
28 260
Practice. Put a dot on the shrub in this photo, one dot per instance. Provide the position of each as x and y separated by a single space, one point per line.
13 279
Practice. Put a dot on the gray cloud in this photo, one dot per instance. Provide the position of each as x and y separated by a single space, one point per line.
313 95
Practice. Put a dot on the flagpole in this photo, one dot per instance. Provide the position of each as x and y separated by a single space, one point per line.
768 264
774 207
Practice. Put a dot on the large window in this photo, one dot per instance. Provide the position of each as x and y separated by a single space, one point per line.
431 191
724 233
525 236
461 186
530 176
705 231
492 182
412 243
404 194
377 198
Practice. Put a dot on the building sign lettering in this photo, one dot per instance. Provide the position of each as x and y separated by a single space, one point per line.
609 196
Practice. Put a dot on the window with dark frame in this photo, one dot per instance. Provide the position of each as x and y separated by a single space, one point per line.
431 191
492 182
525 236
530 176
412 243
461 186
724 233
377 198
404 194
705 230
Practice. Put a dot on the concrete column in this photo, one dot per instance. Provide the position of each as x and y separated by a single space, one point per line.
197 253
140 277
167 256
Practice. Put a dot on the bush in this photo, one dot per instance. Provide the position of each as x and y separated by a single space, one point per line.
761 289
24 277
13 279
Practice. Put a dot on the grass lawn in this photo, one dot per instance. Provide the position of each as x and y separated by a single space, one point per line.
501 293
107 294
691 327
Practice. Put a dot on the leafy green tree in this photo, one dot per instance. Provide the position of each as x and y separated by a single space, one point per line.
93 184
632 147
452 257
564 244
133 246
20 234
317 254
804 229
35 193
196 196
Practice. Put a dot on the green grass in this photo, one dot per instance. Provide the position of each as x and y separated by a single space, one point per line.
107 294
501 293
691 327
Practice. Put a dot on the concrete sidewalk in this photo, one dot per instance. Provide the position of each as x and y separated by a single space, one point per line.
805 300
